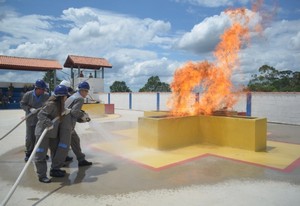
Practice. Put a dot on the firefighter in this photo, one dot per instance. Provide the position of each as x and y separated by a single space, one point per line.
31 101
54 107
75 102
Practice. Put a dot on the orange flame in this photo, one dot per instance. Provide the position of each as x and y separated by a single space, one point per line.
213 79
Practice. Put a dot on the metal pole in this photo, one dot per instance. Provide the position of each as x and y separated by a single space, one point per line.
130 100
108 96
72 76
54 79
157 100
248 106
26 165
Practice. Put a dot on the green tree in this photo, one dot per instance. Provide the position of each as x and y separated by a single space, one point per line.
119 86
49 78
295 82
272 80
155 85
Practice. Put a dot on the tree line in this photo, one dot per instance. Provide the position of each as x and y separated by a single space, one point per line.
153 85
270 79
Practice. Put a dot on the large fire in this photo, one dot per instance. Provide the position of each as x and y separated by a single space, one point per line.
213 79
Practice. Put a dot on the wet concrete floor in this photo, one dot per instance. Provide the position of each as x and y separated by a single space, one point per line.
113 180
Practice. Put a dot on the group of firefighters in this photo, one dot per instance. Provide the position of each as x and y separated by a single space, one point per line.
59 114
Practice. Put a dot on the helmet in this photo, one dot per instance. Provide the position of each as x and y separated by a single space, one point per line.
61 90
83 85
65 83
40 84
70 90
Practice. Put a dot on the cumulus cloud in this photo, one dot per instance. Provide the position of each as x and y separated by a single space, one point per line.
278 47
83 31
205 35
139 48
113 29
136 73
295 41
24 26
21 76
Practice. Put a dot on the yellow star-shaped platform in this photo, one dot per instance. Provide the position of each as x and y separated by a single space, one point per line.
279 156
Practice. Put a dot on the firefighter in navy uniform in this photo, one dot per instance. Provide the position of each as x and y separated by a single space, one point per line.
75 102
53 108
31 101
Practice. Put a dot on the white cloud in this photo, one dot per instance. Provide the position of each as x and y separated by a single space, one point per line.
25 26
214 3
295 41
21 76
136 74
205 35
139 48
86 31
102 28
278 47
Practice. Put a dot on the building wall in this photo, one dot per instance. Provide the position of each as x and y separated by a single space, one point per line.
277 107
96 84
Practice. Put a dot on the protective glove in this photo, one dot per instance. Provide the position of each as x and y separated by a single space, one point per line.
33 110
49 124
66 112
84 118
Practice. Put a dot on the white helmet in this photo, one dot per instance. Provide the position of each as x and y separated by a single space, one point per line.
65 83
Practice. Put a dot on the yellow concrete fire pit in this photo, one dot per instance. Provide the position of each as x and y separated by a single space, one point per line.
163 132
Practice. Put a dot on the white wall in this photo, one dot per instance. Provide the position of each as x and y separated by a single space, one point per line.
277 107
96 84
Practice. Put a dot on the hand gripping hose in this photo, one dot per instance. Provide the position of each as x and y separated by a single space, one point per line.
4 202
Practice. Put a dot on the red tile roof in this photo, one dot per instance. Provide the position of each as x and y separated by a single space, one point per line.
82 62
28 64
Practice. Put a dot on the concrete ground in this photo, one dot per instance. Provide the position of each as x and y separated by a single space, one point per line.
117 180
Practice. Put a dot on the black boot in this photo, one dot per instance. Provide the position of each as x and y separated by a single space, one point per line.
57 173
27 155
84 163
68 159
44 180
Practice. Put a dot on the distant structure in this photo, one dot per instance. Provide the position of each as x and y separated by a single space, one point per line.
80 63
29 64
24 64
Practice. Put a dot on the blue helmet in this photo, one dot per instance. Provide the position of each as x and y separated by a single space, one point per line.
84 85
61 90
40 84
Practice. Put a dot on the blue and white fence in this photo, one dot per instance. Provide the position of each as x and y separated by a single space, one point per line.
278 107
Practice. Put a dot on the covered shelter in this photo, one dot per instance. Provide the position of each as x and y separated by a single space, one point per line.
29 64
92 63
22 64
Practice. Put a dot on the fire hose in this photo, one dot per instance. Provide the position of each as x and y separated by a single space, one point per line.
27 163
18 124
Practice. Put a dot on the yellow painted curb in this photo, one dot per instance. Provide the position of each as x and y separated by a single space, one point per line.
175 132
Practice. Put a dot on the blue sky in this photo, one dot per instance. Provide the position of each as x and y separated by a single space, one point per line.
142 38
